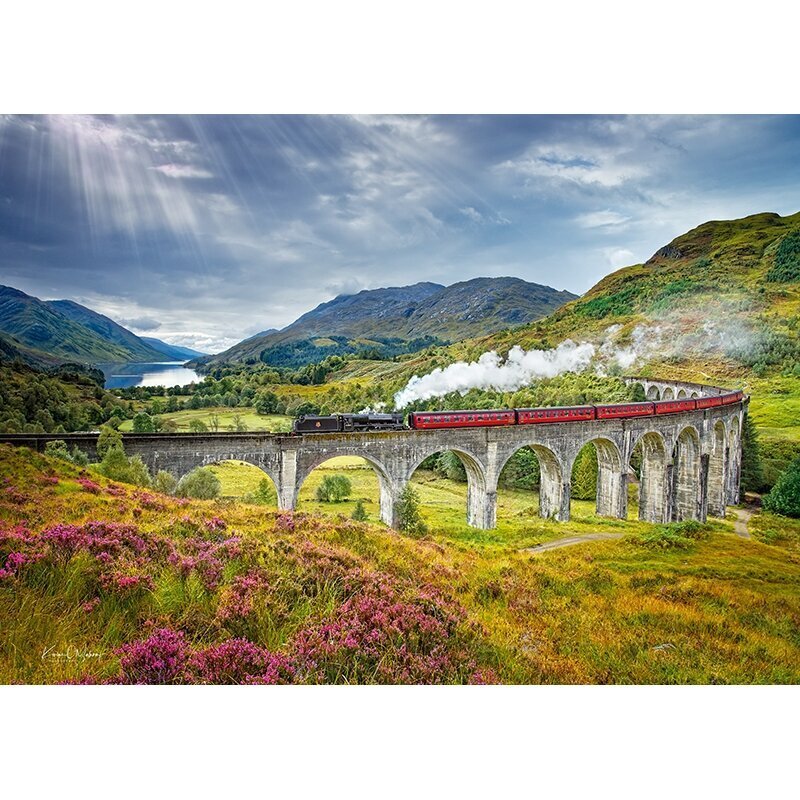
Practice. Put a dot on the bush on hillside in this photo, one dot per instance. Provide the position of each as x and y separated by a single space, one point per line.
359 512
201 484
118 467
784 497
786 266
165 482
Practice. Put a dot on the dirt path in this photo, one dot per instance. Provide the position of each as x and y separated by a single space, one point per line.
742 518
568 541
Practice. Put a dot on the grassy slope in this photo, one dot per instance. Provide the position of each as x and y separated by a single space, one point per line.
724 610
39 326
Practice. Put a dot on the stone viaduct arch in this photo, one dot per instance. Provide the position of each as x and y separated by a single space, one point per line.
691 461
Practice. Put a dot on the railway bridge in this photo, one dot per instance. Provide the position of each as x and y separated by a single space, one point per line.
690 461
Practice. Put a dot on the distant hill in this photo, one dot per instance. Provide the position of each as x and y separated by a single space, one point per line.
399 319
173 351
110 331
38 325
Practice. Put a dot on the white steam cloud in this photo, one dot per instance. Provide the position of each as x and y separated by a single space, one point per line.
522 367
491 372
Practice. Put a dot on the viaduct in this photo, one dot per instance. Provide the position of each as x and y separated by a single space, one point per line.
690 461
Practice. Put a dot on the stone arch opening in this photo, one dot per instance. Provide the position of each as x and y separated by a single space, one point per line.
597 475
652 393
686 476
650 455
717 465
457 466
668 394
682 394
368 482
694 395
246 481
553 495
734 459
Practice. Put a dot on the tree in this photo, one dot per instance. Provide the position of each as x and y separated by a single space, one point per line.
784 497
164 482
359 512
584 474
237 424
213 422
752 477
201 483
264 494
334 489
198 426
143 423
267 402
109 439
118 467
408 513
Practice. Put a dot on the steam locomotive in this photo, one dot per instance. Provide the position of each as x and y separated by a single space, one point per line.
483 418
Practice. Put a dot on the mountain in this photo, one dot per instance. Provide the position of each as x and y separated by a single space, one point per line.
38 325
173 351
107 329
12 349
399 319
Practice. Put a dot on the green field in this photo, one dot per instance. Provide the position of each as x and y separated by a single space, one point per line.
248 416
443 504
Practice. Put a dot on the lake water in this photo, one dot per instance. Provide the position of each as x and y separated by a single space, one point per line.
169 373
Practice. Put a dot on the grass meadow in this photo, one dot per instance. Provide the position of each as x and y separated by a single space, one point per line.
144 588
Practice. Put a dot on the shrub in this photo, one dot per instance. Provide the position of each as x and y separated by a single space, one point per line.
786 267
77 456
784 497
164 482
408 514
334 489
118 467
201 483
57 449
198 426
674 536
109 439
359 512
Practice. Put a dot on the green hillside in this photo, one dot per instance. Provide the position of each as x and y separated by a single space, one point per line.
108 330
36 325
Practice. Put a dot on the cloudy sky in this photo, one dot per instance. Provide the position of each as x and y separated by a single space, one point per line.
204 230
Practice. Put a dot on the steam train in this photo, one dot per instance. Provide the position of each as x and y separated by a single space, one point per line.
425 420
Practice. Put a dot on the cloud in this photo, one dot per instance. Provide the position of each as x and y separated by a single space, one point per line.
601 219
182 171
123 213
140 323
